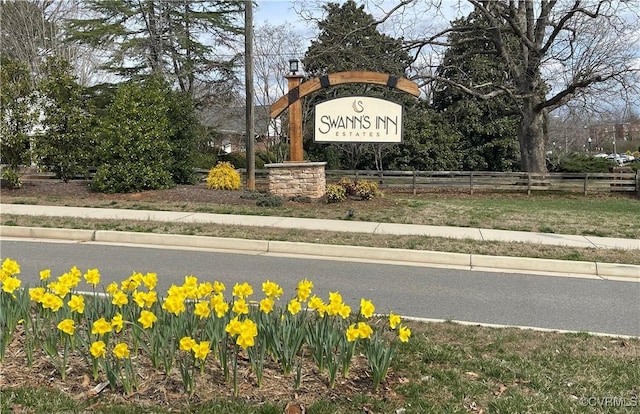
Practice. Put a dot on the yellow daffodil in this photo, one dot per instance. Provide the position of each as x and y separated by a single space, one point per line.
304 290
100 327
271 289
10 284
335 298
120 298
132 282
315 302
98 349
92 277
121 350
221 309
36 294
67 326
147 319
245 340
10 267
191 281
187 343
45 274
394 320
240 307
366 308
112 288
59 288
174 304
202 310
242 290
117 322
266 305
145 299
345 311
70 280
404 333
364 330
201 350
51 301
75 272
76 303
294 306
150 280
248 332
333 309
218 287
234 327
352 333
205 289
139 298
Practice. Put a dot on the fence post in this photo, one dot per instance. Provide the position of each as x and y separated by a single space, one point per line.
586 181
471 182
638 183
528 183
414 182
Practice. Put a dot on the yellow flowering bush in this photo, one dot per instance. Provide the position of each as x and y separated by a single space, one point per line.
192 326
224 177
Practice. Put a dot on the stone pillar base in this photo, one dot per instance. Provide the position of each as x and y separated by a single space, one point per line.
291 179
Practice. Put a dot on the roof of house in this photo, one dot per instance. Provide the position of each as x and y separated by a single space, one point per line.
232 119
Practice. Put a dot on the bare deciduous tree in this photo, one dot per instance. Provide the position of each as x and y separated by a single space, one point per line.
583 52
274 46
565 50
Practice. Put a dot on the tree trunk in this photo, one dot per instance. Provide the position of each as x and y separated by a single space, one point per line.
531 137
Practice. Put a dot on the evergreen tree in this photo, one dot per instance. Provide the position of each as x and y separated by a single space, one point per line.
349 40
134 140
17 118
176 39
66 145
488 128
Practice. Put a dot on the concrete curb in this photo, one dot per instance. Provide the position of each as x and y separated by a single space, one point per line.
402 256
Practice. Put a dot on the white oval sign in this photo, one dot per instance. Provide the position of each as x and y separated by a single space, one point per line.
358 119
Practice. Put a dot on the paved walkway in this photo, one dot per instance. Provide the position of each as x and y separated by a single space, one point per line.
612 271
327 225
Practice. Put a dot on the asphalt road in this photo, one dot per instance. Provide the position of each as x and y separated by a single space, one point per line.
550 302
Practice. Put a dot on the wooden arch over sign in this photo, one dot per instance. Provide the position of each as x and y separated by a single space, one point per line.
332 79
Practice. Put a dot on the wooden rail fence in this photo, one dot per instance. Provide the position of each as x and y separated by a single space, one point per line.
628 181
486 180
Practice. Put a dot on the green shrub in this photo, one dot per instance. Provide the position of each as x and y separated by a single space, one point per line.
128 178
237 159
11 178
336 193
224 177
585 163
300 199
367 190
269 200
133 140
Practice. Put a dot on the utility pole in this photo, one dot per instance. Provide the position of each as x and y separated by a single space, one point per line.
248 75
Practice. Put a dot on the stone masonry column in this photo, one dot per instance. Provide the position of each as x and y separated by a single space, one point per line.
290 179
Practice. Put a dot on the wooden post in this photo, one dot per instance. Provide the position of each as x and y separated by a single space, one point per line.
414 182
295 119
586 182
249 113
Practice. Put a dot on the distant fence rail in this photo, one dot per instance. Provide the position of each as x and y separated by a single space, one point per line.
624 181
486 180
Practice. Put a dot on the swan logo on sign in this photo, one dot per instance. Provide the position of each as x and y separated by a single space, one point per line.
358 119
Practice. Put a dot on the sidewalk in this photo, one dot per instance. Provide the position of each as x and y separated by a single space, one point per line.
437 258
